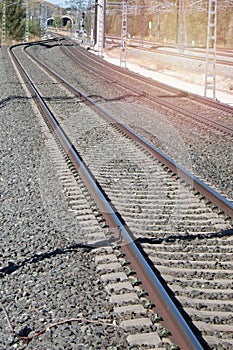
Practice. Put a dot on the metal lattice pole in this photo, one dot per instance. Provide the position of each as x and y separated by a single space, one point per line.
100 26
91 25
182 27
43 19
158 22
3 22
123 34
210 75
27 22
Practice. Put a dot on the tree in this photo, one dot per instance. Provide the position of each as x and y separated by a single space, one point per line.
34 27
166 20
15 19
57 22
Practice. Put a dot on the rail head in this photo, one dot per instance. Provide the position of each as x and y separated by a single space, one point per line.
181 333
209 193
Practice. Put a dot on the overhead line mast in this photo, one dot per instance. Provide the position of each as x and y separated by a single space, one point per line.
182 27
123 34
100 8
27 21
3 22
210 75
43 19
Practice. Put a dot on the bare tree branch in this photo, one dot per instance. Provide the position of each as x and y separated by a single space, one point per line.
48 327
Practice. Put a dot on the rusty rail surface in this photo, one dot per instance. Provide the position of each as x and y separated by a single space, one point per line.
209 193
181 332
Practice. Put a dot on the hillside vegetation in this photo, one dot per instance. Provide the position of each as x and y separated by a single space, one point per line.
172 21
169 21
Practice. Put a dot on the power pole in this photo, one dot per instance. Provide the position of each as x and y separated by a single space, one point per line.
123 34
3 22
158 22
43 19
177 21
27 21
95 23
79 15
100 25
182 27
210 75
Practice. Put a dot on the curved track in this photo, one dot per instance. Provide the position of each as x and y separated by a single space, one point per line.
161 94
162 212
224 56
180 109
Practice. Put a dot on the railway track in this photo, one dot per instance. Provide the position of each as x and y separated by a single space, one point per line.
164 214
224 56
212 118
220 116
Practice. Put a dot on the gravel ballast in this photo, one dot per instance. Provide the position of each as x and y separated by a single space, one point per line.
47 269
47 272
205 153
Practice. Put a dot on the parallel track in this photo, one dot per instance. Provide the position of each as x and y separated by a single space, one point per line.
198 185
147 89
224 57
180 331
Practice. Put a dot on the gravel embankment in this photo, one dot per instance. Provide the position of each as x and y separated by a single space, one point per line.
47 272
199 149
183 73
47 269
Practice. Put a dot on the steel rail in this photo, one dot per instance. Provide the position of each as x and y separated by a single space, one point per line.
209 193
150 46
164 103
219 61
157 84
181 333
